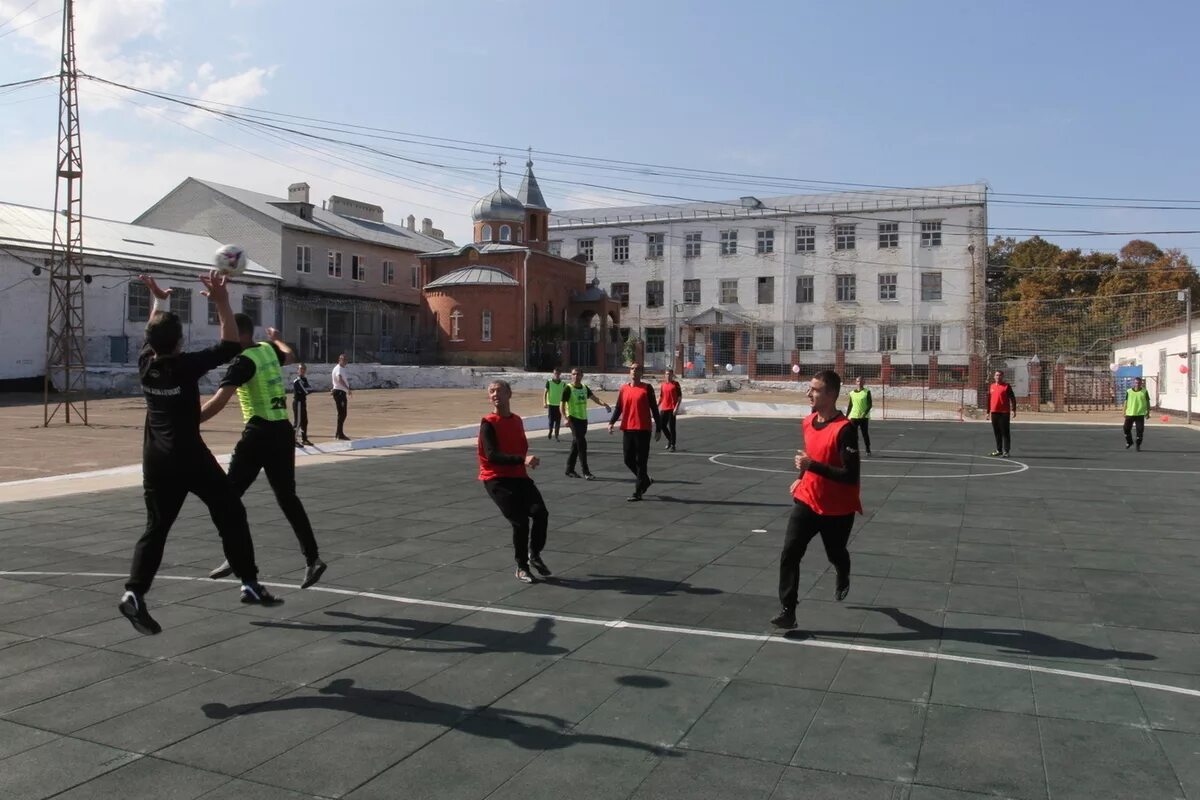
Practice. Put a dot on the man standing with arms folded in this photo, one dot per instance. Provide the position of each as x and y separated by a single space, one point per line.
825 496
268 441
1002 406
552 401
175 460
574 408
503 452
1137 408
300 392
670 399
340 389
860 411
635 408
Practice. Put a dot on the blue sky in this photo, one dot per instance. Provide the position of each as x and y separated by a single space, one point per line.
1059 98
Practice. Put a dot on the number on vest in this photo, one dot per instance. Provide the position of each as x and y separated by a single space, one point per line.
278 403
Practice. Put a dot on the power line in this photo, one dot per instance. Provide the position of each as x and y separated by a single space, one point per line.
28 24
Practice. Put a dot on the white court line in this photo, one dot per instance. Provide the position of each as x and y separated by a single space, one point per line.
882 461
645 626
1117 469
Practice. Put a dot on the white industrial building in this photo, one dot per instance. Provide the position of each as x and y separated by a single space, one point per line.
1160 353
116 305
843 277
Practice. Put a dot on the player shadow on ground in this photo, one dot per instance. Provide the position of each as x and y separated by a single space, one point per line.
422 633
1017 641
402 706
698 502
632 585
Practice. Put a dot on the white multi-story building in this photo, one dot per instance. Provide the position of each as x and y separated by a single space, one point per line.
819 278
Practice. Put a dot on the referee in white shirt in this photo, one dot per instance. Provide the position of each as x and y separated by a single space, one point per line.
341 390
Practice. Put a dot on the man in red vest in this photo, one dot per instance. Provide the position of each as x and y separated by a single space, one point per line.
670 398
503 453
1002 406
826 495
636 408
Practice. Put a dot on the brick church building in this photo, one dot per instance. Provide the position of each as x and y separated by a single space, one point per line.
505 300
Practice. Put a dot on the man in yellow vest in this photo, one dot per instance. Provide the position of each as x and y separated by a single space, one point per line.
859 412
268 441
1137 408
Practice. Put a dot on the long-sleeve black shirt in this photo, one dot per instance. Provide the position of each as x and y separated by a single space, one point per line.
848 447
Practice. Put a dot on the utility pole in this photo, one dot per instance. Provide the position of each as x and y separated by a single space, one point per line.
1186 297
66 369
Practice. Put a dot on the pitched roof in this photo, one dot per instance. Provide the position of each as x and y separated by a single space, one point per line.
488 247
328 223
33 229
530 194
473 276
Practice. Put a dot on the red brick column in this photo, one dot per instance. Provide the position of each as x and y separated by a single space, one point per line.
839 361
933 372
1035 388
885 369
1060 387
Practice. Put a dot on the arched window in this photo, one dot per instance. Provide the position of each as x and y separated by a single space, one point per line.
456 318
485 327
505 233
518 233
485 233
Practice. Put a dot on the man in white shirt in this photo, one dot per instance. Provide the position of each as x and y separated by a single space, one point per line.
341 390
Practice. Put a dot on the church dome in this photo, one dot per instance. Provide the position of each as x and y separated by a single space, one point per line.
499 206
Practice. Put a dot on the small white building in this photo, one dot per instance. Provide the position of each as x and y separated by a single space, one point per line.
851 275
116 304
1160 352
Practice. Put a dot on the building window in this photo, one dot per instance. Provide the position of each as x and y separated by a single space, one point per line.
847 288
887 286
656 340
358 268
181 305
555 247
729 290
654 294
213 317
691 290
931 234
388 270
139 302
335 264
931 286
485 327
303 258
887 338
806 238
804 337
456 325
728 243
764 241
654 245
844 336
252 308
485 233
506 233
415 277
804 289
620 292
764 340
843 237
620 249
889 235
585 248
691 244
931 338
766 291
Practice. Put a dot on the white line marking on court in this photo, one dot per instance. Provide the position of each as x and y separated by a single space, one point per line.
1002 463
1117 469
646 626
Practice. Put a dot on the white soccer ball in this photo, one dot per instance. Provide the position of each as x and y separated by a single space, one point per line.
230 259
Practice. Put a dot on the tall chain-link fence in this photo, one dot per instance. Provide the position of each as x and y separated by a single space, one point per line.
321 328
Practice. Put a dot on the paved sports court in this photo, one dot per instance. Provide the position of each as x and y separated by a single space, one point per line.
1025 628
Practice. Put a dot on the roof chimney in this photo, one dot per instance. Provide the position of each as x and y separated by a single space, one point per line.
412 222
298 193
427 226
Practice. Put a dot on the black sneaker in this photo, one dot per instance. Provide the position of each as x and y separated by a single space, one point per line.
995 454
1139 447
313 573
843 586
786 618
257 594
1006 454
572 473
522 574
307 443
587 476
634 498
539 565
223 571
1128 445
133 608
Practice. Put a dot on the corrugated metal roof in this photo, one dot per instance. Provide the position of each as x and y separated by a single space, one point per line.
474 276
498 206
33 229
326 222
489 247
826 203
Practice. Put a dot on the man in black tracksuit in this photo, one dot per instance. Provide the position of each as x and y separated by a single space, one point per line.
300 392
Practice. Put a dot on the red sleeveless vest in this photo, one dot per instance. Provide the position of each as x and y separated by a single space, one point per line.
821 494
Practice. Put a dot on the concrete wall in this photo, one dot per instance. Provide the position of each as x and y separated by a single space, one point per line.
962 272
1160 349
